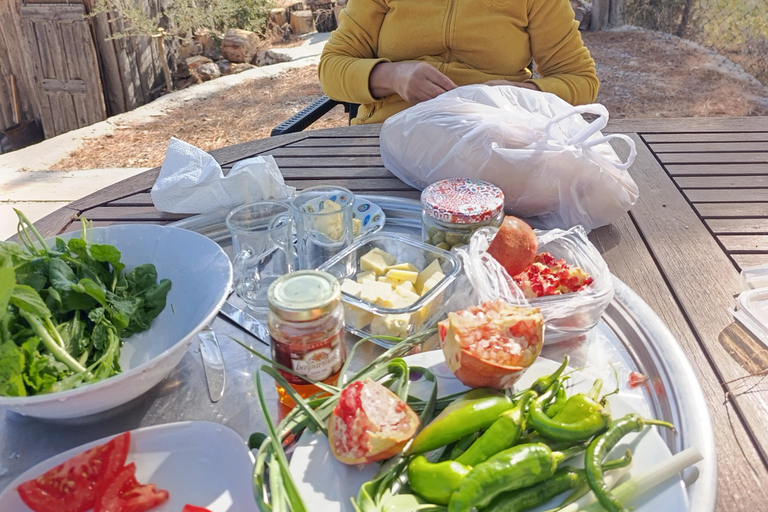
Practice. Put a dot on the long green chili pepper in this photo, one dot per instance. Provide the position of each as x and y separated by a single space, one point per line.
565 478
580 418
604 443
517 467
502 434
583 487
542 384
476 410
553 444
561 398
435 482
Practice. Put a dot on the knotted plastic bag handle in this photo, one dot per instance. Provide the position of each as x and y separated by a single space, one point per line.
622 166
591 129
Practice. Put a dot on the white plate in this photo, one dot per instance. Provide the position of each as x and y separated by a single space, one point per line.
327 485
197 462
200 274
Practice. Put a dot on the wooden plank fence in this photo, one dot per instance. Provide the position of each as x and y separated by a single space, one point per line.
67 71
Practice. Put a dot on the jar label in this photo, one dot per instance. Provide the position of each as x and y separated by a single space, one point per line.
318 364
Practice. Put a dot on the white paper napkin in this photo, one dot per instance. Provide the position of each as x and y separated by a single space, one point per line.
191 181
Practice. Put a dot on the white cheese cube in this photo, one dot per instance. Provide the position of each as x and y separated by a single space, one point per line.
391 282
374 291
391 325
431 282
357 317
408 297
351 287
377 261
406 286
426 274
367 275
404 266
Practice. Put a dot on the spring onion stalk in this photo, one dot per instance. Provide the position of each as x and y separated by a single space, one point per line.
641 484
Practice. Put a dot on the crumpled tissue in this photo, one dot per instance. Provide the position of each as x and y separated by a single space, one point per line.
191 181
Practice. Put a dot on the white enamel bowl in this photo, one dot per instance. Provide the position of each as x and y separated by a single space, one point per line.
201 276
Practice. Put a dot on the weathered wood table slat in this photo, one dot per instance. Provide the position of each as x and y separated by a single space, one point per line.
701 217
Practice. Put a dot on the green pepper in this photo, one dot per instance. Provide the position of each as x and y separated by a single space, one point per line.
542 384
517 467
435 482
502 434
473 411
560 399
599 448
581 417
564 479
553 444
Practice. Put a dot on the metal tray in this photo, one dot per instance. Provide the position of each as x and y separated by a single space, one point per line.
630 337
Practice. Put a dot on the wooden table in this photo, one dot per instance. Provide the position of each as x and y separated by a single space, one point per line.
702 215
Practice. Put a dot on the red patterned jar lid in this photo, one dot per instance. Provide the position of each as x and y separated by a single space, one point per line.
462 200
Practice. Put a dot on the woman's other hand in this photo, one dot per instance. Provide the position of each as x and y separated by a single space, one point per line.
524 85
413 81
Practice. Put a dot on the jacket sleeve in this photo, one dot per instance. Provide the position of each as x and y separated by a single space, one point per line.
350 54
560 55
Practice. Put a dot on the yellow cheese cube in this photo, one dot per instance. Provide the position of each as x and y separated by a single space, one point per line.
402 275
431 282
406 286
404 266
351 287
357 317
377 261
374 291
426 274
391 325
367 275
408 297
391 282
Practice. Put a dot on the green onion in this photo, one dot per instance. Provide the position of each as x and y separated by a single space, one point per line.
637 486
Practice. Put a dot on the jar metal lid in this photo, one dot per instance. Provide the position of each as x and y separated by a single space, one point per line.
462 200
304 295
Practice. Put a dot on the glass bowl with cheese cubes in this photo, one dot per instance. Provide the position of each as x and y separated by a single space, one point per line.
392 285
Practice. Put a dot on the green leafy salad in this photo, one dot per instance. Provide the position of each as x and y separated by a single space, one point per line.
65 309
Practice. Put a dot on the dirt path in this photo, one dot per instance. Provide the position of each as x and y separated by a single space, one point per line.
641 74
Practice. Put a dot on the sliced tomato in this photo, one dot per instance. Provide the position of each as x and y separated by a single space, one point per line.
125 494
192 508
74 485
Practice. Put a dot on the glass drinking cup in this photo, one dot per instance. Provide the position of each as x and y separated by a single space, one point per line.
323 230
262 236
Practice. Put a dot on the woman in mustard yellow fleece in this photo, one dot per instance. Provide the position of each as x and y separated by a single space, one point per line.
390 54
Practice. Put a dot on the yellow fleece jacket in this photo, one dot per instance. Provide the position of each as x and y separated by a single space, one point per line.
470 41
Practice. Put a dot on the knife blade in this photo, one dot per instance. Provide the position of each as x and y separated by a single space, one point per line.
246 321
213 363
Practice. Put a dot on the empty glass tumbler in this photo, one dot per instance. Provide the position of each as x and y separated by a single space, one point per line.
262 237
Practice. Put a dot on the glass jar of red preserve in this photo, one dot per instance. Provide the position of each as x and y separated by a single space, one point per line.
306 327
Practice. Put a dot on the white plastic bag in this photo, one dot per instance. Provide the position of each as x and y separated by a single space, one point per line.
565 316
191 181
550 163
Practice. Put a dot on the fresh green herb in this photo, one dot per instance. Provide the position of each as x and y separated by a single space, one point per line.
64 310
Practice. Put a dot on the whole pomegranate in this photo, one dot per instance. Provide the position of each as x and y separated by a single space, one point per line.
369 423
514 246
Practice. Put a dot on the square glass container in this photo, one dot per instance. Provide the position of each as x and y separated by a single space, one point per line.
365 318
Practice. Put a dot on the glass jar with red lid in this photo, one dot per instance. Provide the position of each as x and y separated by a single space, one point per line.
454 209
306 327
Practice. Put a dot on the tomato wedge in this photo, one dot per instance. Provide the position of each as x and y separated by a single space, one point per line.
192 508
125 494
74 485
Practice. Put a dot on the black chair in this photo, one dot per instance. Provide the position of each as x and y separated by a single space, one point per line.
312 113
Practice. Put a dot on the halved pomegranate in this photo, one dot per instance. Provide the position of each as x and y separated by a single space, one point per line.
369 423
492 344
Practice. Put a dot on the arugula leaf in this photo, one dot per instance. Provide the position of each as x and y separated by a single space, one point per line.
69 296
7 283
11 370
73 334
42 370
92 289
27 299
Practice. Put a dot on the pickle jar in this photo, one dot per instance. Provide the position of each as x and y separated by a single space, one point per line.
454 209
306 328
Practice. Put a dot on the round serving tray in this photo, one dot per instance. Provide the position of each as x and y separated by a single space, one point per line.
629 338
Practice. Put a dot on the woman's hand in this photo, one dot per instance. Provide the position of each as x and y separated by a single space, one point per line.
524 85
413 81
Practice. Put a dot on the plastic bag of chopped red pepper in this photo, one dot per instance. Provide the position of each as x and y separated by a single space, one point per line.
569 281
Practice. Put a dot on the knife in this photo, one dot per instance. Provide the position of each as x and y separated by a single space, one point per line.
245 320
213 363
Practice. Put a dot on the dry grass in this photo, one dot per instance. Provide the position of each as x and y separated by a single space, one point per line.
641 76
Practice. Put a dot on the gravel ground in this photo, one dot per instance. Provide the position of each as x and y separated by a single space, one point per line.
642 74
